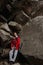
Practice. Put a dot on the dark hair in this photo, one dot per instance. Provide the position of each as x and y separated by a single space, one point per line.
15 30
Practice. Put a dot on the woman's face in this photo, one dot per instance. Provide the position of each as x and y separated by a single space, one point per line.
15 34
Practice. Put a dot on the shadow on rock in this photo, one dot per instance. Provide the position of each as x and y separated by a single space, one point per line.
22 60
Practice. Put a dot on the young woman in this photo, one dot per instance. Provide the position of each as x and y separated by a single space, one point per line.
15 44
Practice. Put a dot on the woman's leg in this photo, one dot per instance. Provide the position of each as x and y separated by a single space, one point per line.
15 55
10 55
15 52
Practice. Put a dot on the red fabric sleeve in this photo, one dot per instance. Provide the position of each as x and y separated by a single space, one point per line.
12 43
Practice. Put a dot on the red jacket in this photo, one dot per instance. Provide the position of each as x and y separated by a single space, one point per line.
15 43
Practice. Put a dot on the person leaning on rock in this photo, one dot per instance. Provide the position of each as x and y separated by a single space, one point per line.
15 44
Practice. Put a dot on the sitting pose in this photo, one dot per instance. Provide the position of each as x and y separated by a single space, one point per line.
15 44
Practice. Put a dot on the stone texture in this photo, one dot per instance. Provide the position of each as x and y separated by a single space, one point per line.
32 37
16 64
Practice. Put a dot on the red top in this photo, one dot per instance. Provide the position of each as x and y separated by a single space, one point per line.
15 43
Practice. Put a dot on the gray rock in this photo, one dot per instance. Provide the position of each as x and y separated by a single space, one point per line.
16 64
32 37
5 26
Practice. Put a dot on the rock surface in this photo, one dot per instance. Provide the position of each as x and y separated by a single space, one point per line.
33 38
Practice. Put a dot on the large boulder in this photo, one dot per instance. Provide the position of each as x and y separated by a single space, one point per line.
4 31
14 25
32 36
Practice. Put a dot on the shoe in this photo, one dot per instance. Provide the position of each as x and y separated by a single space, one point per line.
11 62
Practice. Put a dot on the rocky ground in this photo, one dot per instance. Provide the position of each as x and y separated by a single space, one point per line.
22 60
